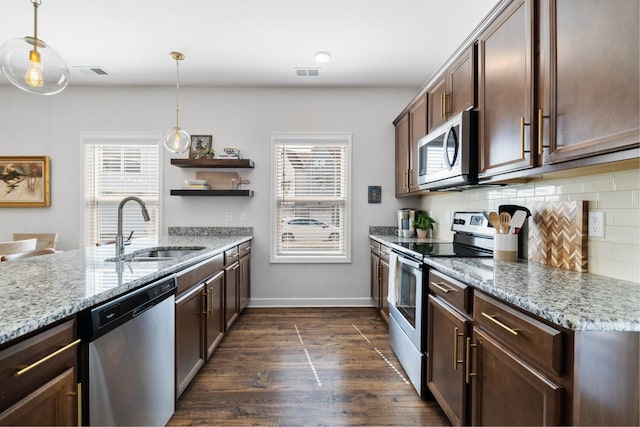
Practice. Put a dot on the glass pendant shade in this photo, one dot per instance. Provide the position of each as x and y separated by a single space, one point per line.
176 140
33 66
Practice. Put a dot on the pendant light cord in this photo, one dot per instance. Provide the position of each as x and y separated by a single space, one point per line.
177 92
35 3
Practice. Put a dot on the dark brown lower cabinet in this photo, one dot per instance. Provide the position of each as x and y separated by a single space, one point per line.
190 335
507 391
38 383
446 379
231 276
214 319
244 282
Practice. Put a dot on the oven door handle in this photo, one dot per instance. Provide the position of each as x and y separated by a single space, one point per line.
407 261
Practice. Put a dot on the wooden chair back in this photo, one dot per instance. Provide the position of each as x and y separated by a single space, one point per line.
45 240
16 246
28 254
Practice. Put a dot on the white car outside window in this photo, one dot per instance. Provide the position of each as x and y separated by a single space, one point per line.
307 230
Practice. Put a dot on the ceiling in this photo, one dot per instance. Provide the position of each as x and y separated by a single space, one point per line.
396 43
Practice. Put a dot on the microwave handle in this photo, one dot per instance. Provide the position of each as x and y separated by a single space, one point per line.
444 148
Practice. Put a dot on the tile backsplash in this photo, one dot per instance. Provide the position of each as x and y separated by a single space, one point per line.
617 194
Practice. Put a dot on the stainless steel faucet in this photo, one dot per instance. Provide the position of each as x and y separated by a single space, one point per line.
119 237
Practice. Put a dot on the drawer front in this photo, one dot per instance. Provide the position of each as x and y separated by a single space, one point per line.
533 340
455 293
231 256
27 365
244 249
198 273
384 253
375 246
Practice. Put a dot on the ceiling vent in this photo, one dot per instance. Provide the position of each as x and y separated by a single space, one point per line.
91 71
307 72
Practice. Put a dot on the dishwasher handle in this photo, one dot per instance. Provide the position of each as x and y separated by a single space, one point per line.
144 307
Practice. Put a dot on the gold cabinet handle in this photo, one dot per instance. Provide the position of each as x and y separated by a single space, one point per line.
456 335
442 288
499 323
442 105
468 373
48 357
406 179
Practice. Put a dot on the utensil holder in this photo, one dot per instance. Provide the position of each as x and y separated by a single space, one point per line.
505 247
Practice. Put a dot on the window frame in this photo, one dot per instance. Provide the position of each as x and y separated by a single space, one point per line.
119 138
309 139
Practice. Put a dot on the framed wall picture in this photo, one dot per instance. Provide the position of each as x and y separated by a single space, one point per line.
200 145
375 194
25 182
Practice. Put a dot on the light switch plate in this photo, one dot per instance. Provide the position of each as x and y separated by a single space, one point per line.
229 216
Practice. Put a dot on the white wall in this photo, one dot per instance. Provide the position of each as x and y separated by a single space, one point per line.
242 118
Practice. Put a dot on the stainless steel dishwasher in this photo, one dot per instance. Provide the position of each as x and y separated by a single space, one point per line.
129 357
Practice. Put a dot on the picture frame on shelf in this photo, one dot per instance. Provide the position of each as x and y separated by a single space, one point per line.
200 144
25 181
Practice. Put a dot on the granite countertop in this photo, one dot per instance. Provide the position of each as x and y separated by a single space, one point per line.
577 301
41 290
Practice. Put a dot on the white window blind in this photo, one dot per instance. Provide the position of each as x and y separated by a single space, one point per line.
310 212
115 168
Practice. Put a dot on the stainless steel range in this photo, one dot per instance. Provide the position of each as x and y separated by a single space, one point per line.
473 237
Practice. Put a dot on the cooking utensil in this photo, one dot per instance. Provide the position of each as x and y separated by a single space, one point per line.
505 219
517 221
494 219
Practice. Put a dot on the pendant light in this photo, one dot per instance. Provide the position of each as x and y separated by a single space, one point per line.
177 140
32 65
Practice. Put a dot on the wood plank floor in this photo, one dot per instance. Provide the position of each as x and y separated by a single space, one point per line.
305 366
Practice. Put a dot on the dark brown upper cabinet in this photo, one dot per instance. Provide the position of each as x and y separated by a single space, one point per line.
417 129
505 83
402 155
454 91
588 78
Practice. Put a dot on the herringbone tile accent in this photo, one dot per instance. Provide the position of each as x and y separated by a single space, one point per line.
558 234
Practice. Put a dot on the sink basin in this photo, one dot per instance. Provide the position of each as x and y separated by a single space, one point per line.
157 254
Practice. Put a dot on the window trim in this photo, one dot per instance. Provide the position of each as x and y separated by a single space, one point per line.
145 138
309 138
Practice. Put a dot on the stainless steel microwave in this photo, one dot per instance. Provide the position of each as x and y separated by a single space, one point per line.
448 155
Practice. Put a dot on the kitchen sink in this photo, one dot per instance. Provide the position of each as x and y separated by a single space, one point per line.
157 254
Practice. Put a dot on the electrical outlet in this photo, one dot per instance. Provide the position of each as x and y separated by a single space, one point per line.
229 216
243 216
596 224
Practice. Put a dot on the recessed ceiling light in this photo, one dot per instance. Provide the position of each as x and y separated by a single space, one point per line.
322 57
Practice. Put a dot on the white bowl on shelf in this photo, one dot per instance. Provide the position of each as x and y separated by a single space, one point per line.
195 181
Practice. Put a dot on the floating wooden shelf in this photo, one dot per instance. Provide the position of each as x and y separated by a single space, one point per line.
212 193
212 163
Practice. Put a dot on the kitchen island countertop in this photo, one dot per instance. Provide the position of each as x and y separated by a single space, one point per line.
577 301
39 291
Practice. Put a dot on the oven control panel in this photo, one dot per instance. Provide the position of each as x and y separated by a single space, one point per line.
475 223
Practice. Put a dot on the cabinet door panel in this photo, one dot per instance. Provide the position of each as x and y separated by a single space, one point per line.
462 84
506 391
446 373
590 76
402 155
384 290
215 312
436 94
52 404
244 291
417 129
231 295
375 280
505 92
190 346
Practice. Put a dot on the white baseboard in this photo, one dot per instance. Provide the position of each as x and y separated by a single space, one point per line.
310 302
